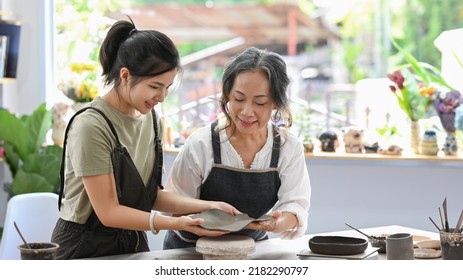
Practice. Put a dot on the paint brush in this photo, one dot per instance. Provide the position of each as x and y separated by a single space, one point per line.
438 229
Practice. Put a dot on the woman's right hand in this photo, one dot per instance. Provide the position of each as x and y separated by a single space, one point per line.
194 226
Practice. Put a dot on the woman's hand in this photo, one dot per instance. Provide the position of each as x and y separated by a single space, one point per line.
193 225
224 207
268 225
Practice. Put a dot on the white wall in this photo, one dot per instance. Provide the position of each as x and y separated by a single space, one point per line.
450 45
34 77
369 193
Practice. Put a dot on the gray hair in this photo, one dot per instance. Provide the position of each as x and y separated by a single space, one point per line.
270 63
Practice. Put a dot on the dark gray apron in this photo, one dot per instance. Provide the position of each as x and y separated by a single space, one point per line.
253 192
93 239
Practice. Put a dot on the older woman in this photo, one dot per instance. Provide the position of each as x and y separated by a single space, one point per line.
243 158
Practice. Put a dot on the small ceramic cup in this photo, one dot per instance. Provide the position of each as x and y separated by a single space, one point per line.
38 251
399 246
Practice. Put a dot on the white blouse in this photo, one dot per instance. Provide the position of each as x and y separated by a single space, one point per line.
195 161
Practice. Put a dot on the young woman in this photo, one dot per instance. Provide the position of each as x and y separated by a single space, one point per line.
112 160
245 159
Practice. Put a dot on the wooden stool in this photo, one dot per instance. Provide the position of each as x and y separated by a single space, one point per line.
225 247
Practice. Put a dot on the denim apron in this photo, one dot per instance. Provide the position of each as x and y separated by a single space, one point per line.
93 239
253 192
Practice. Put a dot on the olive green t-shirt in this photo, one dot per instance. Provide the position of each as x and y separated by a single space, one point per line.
88 153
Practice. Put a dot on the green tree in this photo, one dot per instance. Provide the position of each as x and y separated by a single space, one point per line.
417 23
414 24
354 28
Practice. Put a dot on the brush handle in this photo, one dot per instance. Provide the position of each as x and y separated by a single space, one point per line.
438 229
20 235
369 237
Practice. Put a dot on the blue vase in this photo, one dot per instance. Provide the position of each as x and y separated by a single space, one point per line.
450 145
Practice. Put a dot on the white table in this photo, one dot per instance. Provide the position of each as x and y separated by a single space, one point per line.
274 248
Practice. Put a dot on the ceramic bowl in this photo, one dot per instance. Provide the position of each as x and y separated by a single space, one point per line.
379 241
337 245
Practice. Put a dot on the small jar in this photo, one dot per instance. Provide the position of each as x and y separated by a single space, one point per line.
428 143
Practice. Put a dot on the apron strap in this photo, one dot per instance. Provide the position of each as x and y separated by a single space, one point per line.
63 158
158 151
158 163
276 148
216 143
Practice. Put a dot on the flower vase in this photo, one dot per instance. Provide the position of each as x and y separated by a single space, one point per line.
415 136
61 115
57 135
450 147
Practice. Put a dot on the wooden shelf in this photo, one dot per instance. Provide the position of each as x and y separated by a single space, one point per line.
340 154
7 80
372 156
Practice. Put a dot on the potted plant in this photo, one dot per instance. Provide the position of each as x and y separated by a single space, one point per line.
415 85
303 127
34 166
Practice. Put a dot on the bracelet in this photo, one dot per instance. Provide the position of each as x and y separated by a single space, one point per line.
153 231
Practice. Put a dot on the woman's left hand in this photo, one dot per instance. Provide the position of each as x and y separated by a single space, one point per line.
268 225
225 207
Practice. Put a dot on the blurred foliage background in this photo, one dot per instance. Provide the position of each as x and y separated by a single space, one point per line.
363 25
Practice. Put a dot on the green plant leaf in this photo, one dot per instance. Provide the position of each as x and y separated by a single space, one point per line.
14 132
8 189
424 72
45 166
12 158
435 75
30 182
382 130
55 152
38 124
413 62
34 168
457 59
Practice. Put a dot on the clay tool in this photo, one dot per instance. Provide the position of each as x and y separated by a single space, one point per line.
446 220
460 221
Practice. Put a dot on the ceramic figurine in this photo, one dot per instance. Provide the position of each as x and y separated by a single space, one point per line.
353 139
428 143
308 146
371 148
329 141
391 150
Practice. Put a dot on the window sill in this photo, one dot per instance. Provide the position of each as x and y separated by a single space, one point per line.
440 157
340 154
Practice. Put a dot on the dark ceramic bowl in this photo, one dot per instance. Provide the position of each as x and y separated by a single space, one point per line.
379 241
337 245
